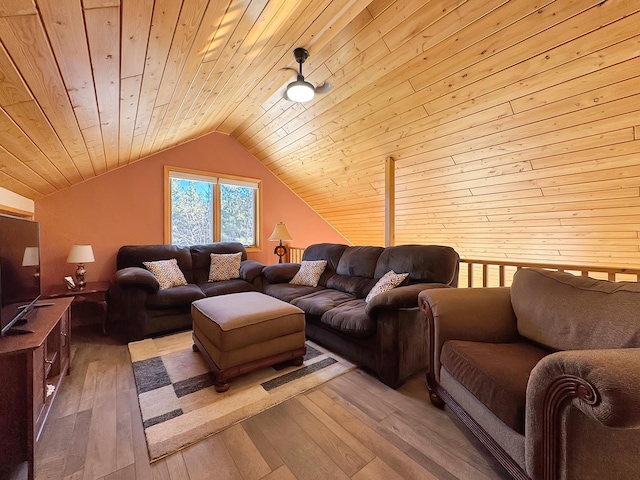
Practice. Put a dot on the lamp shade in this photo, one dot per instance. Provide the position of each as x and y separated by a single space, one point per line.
300 90
280 233
31 257
81 254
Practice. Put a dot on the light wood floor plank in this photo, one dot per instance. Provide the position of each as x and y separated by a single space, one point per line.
390 454
267 451
77 451
245 454
126 473
282 473
337 429
299 451
210 458
341 453
376 470
176 466
101 449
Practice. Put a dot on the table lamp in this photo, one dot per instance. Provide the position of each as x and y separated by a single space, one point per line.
31 258
80 254
280 233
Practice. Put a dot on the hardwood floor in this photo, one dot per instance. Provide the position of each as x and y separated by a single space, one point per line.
351 427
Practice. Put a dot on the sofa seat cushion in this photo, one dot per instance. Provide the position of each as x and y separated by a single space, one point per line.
495 373
317 303
236 285
179 296
350 318
287 291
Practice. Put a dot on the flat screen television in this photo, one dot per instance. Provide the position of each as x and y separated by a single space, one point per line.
19 269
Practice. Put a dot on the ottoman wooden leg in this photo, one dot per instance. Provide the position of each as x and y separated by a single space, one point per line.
195 348
221 386
297 361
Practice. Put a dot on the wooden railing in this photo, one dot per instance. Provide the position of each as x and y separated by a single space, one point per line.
295 254
493 273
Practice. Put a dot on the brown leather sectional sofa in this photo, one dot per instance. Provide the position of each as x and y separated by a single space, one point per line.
387 335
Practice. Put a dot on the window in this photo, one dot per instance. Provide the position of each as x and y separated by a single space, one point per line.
204 208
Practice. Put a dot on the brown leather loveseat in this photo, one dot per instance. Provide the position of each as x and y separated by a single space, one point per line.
545 373
138 303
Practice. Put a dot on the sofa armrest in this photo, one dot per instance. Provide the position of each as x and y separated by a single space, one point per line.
137 277
280 272
250 270
602 384
399 297
473 314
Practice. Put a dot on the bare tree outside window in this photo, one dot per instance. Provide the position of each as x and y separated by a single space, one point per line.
237 214
191 212
197 203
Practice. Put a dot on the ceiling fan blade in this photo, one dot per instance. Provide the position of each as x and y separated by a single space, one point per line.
323 87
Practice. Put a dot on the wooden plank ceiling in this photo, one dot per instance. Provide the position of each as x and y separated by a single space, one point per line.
514 125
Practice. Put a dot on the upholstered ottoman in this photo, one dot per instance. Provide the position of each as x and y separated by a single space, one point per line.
241 332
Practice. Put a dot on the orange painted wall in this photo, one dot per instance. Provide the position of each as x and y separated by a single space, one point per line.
125 207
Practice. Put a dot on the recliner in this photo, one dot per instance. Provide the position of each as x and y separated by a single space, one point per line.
545 373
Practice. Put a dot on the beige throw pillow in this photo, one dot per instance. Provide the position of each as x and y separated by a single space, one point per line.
388 281
167 272
309 273
224 266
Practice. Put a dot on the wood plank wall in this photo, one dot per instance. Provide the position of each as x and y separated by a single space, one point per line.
530 149
516 132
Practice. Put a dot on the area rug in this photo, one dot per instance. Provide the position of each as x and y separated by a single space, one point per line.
180 406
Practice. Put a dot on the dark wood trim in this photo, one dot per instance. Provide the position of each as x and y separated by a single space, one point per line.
561 390
509 464
436 401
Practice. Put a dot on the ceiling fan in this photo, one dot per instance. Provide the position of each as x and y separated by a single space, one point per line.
301 90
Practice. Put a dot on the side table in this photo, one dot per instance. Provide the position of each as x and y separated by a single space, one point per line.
94 292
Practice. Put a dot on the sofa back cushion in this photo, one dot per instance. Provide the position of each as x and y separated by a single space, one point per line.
331 252
201 257
355 270
134 255
423 263
359 261
564 312
359 287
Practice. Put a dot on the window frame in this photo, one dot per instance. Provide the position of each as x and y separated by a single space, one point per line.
216 179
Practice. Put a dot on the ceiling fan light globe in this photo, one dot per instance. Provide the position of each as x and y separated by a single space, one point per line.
300 91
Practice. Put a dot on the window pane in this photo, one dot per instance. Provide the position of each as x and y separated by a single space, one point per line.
237 214
191 212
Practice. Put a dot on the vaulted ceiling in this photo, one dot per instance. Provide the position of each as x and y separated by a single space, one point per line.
513 125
